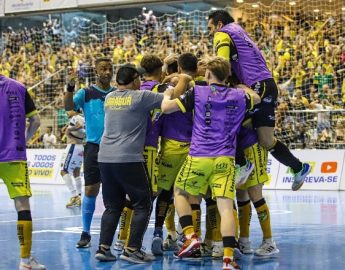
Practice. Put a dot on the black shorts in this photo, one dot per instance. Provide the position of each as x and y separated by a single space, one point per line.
92 173
263 114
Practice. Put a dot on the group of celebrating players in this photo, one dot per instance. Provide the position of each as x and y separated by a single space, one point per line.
204 128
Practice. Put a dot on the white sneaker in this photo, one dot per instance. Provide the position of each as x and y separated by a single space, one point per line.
32 264
243 173
119 244
267 248
217 250
245 247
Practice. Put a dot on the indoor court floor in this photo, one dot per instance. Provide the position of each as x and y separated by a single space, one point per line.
308 227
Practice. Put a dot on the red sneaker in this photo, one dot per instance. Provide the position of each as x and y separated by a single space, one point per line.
189 246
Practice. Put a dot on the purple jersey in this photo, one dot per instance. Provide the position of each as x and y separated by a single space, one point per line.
177 126
15 105
152 133
218 114
246 138
248 64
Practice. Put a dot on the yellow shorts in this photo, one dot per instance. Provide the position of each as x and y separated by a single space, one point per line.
16 178
151 161
257 155
173 153
199 173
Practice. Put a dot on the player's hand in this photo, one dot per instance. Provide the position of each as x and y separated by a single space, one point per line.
169 92
169 78
71 76
185 77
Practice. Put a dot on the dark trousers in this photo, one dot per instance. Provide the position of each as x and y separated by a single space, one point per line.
119 179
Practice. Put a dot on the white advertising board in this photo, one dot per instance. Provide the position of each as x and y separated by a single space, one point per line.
2 8
325 174
272 170
15 6
57 4
44 165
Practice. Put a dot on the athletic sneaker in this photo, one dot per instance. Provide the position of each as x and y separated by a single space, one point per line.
217 250
157 242
32 264
170 244
85 240
74 201
104 255
228 264
136 256
180 240
194 255
119 244
189 246
243 173
244 245
206 250
300 176
267 248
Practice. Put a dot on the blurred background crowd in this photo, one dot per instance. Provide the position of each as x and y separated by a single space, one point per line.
305 52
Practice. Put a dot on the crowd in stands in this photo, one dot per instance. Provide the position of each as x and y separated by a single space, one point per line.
306 56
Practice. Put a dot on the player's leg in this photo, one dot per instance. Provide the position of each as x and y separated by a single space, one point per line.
78 185
66 173
188 186
268 246
125 222
92 184
222 184
15 176
264 122
170 242
245 214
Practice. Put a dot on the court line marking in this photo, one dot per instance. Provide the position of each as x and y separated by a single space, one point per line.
38 219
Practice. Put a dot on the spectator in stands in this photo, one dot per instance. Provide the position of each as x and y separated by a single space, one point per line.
49 139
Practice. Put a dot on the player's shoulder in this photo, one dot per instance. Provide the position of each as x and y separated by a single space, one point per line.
13 83
221 37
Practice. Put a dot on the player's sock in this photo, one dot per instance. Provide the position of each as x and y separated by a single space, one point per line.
196 217
237 222
69 183
88 208
187 226
244 216
24 232
78 185
284 156
125 221
162 206
229 243
264 217
170 220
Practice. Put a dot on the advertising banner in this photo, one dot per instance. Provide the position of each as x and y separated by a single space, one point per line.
57 4
14 6
325 174
44 165
2 8
272 170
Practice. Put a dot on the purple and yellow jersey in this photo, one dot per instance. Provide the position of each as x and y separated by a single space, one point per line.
15 105
246 138
152 133
247 62
218 114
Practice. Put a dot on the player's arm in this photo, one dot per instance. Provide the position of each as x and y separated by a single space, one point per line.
182 85
221 45
32 115
73 102
183 103
252 97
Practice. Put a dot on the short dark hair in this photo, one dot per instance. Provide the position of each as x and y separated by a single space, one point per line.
188 62
221 16
151 63
102 59
172 68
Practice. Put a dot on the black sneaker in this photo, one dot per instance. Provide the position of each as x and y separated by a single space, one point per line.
85 240
136 256
104 255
